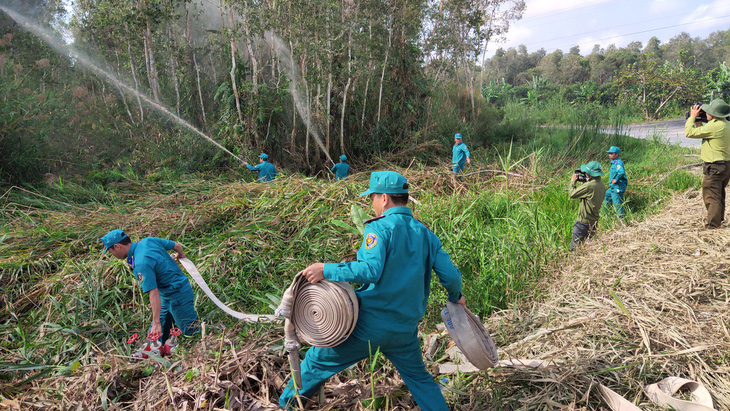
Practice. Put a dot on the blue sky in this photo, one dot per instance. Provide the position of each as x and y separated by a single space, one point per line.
562 24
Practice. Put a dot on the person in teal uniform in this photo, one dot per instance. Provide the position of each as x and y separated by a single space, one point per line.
341 169
617 181
460 155
394 265
171 297
266 171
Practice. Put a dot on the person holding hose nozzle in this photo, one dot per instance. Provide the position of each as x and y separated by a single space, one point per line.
590 194
265 170
394 265
341 169
715 153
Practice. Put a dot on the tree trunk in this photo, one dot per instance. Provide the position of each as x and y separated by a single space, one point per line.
194 60
307 110
173 69
234 48
121 93
342 117
329 105
365 102
150 58
136 83
253 102
486 43
382 74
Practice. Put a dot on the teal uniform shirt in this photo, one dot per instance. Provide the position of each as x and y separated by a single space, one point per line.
458 157
154 267
618 173
394 265
266 171
341 170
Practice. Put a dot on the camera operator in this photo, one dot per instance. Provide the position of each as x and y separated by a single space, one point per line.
590 194
715 153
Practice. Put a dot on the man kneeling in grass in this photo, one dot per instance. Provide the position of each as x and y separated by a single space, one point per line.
591 194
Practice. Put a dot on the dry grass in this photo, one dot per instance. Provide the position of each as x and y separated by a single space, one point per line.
634 306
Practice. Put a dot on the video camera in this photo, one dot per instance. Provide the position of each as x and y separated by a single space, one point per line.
582 177
702 117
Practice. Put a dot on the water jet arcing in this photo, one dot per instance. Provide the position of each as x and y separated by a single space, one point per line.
86 62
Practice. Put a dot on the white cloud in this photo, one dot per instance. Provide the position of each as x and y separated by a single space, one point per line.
519 35
705 18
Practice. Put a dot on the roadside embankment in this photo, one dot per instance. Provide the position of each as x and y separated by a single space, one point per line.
634 306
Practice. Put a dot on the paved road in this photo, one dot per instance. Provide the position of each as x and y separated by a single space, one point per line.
670 130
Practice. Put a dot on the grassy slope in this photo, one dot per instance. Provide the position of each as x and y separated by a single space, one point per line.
65 307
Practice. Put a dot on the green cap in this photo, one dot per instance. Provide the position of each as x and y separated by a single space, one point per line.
111 238
387 182
457 135
593 169
343 157
264 156
717 108
614 149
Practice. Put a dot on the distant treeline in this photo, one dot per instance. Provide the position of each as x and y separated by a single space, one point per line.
692 66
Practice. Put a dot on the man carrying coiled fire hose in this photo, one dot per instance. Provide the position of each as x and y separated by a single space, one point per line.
394 265
171 297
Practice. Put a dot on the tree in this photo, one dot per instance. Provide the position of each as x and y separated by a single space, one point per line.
652 86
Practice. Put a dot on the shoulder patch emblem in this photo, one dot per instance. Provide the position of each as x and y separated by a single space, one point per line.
618 166
371 240
140 276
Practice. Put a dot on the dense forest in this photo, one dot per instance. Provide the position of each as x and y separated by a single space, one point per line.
303 81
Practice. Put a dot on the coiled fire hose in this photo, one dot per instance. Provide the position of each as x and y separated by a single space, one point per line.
470 335
479 348
321 315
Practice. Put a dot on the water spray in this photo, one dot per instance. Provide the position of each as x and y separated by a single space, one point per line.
86 62
301 106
